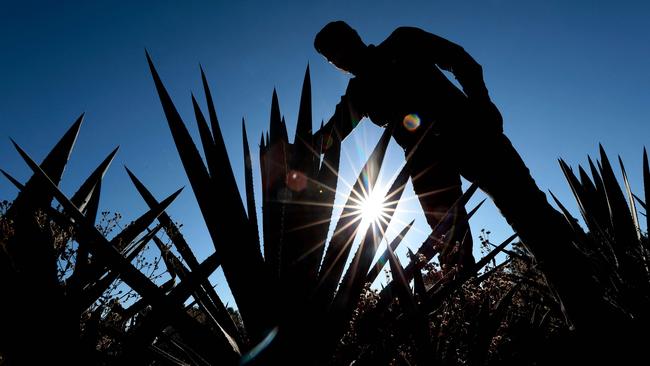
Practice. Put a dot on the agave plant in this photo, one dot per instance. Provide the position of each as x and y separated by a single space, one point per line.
617 248
294 289
295 299
29 263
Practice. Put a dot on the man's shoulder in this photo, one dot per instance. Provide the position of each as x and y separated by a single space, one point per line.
402 36
406 31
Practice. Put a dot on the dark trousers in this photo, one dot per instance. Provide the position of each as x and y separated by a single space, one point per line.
488 159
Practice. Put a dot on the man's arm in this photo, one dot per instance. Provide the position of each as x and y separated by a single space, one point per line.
346 116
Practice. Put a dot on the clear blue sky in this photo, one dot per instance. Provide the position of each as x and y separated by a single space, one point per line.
565 75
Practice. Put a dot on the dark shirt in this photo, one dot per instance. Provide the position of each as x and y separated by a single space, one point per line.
399 78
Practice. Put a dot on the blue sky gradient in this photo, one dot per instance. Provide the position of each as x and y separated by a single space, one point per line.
565 75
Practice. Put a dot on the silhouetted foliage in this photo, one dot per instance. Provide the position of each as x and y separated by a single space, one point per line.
104 301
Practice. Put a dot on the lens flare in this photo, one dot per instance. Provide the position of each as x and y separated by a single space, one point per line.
411 122
296 180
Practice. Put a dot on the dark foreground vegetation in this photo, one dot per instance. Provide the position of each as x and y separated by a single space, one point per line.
76 288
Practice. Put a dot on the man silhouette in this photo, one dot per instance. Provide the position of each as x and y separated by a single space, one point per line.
445 132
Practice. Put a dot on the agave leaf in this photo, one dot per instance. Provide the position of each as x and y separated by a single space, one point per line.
624 230
304 154
567 215
640 201
190 157
85 191
447 222
402 288
376 269
133 250
325 190
419 289
628 190
498 249
212 113
646 185
600 204
494 269
13 180
585 181
248 176
170 228
92 207
284 134
275 130
576 189
141 223
209 148
34 195
174 267
595 202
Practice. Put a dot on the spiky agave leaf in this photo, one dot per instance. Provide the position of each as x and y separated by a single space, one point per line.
630 198
34 195
248 177
383 259
646 186
13 180
419 289
85 191
600 204
622 223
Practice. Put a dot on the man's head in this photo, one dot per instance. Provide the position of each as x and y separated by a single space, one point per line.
341 45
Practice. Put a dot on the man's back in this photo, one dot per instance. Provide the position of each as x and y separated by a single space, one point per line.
395 82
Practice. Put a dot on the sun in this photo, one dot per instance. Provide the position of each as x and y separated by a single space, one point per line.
372 207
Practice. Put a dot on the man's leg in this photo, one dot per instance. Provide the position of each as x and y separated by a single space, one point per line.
436 181
492 162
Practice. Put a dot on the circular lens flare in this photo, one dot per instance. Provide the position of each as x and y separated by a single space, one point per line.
411 122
